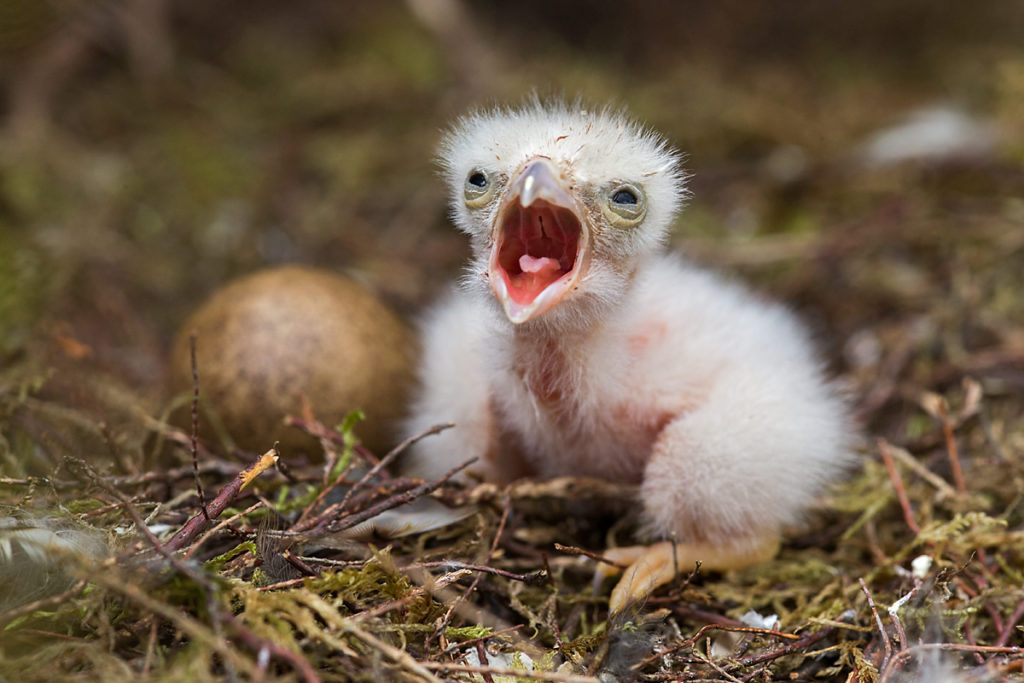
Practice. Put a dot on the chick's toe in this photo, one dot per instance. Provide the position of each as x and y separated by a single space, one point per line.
651 566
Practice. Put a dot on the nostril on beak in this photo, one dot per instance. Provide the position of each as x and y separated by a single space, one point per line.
540 180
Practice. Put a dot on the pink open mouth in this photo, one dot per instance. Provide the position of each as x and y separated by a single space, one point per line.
537 248
539 243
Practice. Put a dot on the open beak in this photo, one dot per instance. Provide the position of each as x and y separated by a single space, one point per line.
540 243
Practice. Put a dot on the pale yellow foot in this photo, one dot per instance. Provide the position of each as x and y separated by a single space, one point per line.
654 565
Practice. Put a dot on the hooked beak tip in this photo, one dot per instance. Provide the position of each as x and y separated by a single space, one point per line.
540 181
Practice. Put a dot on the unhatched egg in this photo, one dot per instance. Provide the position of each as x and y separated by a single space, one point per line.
268 339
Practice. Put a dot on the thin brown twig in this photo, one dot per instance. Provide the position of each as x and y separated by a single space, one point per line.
897 483
1011 625
194 442
996 671
694 573
217 615
443 624
481 655
225 497
895 619
878 622
398 499
530 578
328 439
321 431
969 636
255 642
331 511
693 612
330 452
294 561
222 524
281 585
904 456
797 646
511 673
951 447
712 627
110 507
300 524
997 618
390 456
573 550
554 615
87 472
710 661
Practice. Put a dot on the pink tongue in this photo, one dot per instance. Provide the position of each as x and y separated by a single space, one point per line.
529 264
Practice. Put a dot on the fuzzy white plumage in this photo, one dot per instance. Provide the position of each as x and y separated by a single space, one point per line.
575 347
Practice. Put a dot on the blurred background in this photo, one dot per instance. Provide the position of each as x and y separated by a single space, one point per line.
864 161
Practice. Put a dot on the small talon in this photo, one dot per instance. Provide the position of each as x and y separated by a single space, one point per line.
623 557
655 565
651 567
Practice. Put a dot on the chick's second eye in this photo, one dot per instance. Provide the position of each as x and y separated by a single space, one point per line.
625 205
624 196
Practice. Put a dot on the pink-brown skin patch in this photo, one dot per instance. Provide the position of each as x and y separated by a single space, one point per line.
580 406
646 422
545 374
651 335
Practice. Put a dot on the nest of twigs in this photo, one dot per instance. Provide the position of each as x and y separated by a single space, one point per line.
910 568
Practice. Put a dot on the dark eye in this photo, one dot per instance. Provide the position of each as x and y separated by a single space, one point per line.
625 204
624 196
478 189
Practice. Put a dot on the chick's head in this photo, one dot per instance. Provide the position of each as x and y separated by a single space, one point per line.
561 204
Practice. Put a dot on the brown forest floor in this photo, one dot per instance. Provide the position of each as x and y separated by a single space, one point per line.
149 154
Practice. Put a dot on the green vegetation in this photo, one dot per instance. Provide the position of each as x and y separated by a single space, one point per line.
146 158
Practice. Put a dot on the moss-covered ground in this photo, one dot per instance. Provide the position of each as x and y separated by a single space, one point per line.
151 150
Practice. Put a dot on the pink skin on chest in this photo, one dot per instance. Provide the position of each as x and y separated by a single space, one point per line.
585 424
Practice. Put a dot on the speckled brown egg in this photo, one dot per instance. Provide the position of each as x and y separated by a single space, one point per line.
266 340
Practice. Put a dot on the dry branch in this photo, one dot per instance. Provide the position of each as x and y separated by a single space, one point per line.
225 497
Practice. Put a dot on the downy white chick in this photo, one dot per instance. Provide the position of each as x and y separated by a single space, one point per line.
575 347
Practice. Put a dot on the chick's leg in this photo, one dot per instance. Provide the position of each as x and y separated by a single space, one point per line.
657 564
727 476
